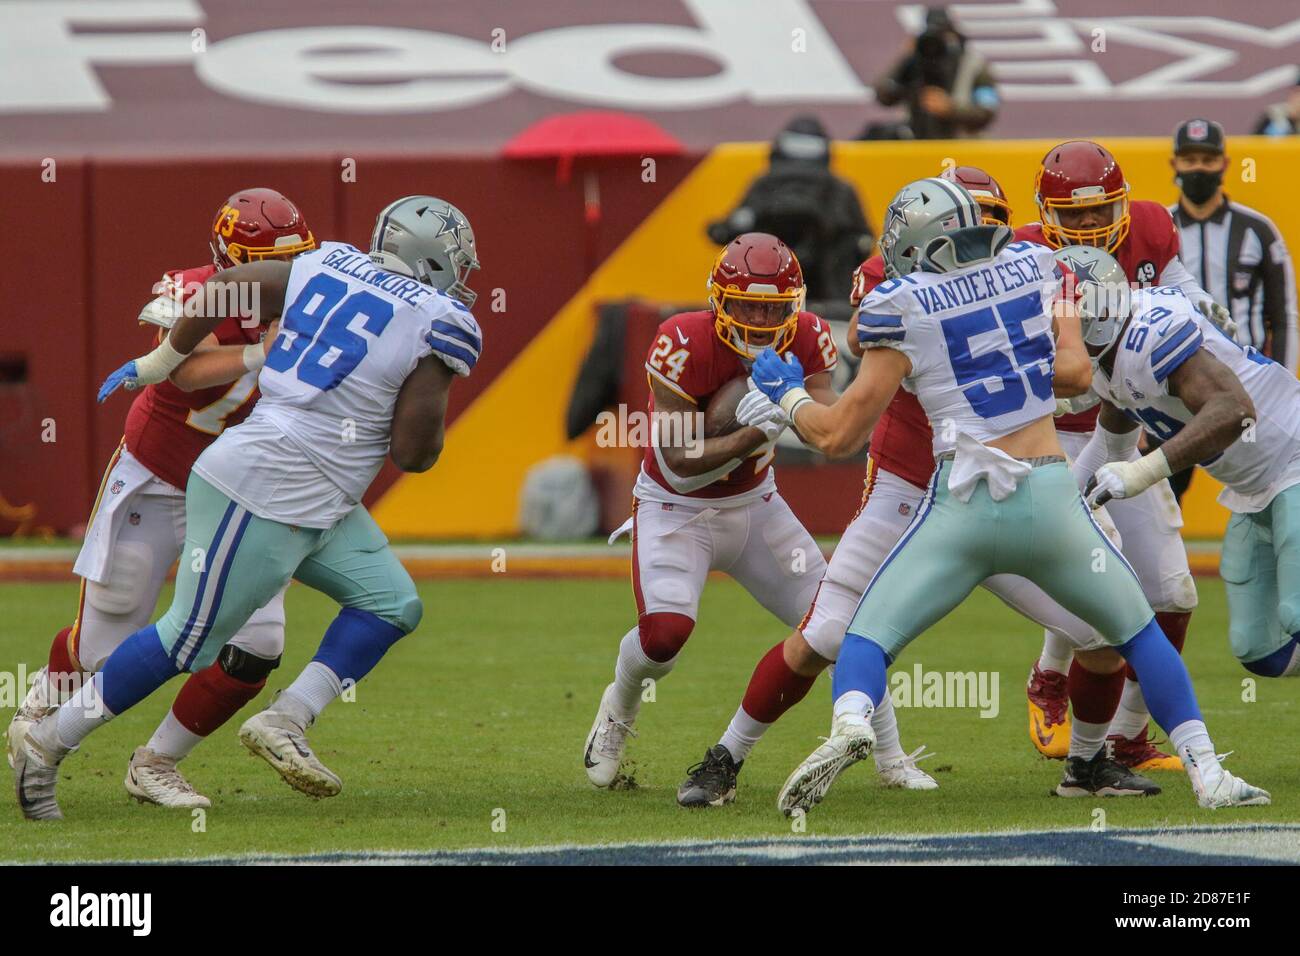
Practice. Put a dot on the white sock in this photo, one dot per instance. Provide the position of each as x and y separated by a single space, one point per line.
853 703
1132 716
314 688
84 711
742 734
1086 739
1057 653
173 739
632 668
885 723
1191 739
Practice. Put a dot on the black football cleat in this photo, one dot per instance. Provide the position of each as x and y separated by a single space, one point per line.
712 781
1102 777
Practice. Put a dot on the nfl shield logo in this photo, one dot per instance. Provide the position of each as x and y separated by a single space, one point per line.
117 486
904 508
1198 129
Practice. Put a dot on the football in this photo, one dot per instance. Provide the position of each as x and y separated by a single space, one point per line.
720 412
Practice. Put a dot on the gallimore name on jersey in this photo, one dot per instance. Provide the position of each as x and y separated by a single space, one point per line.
350 335
979 340
1163 333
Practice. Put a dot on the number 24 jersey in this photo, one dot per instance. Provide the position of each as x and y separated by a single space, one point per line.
350 335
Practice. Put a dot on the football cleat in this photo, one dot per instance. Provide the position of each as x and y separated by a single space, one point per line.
902 773
1139 753
36 771
606 742
1102 777
153 778
281 741
35 705
1215 788
1049 713
712 781
851 740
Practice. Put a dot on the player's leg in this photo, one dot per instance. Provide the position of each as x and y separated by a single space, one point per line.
672 551
944 554
1260 567
379 606
233 563
1149 525
207 700
1074 562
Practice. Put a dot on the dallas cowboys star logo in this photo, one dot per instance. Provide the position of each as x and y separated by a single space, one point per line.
898 209
1082 268
451 223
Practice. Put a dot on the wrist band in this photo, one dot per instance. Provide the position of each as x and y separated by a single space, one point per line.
793 399
254 356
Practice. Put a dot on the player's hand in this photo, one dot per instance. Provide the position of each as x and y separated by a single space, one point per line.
1219 317
775 377
1125 479
127 377
761 412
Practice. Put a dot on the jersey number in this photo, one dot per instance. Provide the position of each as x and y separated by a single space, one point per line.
1031 371
211 419
315 334
672 365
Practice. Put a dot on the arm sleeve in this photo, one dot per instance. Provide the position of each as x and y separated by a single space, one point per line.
1102 447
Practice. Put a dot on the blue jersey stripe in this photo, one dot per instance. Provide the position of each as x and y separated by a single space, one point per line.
1178 358
448 350
460 332
869 335
1170 344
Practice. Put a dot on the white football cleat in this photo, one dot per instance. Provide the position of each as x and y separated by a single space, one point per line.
281 741
1215 787
851 740
902 773
35 705
36 771
154 778
606 742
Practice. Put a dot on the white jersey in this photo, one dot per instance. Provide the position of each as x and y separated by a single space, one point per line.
1163 333
350 335
979 339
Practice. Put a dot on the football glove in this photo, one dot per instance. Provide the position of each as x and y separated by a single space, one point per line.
758 410
1125 479
1218 316
145 370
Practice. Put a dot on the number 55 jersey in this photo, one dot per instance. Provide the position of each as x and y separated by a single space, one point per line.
350 335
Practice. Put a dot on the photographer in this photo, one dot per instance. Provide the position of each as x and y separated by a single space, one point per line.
948 89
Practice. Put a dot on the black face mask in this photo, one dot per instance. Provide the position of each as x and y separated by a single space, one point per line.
1198 186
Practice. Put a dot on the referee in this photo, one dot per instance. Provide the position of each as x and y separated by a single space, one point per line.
1235 253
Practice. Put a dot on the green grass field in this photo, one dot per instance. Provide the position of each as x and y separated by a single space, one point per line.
486 708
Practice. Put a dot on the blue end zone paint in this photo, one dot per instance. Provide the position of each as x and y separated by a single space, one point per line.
1232 845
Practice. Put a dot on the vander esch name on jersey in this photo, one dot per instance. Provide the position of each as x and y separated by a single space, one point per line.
358 266
978 286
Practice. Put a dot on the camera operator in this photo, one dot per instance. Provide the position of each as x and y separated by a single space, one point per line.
948 90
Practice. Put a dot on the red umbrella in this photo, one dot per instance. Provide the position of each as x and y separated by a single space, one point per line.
591 134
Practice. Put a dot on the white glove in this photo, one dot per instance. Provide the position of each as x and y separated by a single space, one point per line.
1218 316
1125 479
761 412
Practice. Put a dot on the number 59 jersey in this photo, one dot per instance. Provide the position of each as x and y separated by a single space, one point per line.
350 334
1163 333
979 339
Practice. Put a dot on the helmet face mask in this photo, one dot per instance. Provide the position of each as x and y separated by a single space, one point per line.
429 240
1103 296
756 292
1076 181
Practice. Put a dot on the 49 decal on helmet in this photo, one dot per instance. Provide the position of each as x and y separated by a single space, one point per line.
1082 197
258 224
756 291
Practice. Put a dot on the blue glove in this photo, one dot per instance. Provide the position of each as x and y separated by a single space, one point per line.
775 377
124 376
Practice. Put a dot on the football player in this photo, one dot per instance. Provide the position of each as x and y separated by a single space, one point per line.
716 506
373 339
1002 500
1083 200
899 467
1162 365
137 525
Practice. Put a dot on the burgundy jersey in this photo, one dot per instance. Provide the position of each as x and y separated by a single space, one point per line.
688 358
1151 244
167 428
901 440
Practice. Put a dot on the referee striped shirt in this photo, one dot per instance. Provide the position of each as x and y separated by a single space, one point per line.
1239 258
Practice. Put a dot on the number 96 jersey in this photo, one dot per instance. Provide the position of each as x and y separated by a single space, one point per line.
979 339
350 334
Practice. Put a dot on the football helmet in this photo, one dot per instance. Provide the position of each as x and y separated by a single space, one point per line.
1078 175
986 190
258 224
756 268
919 213
430 240
1102 294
